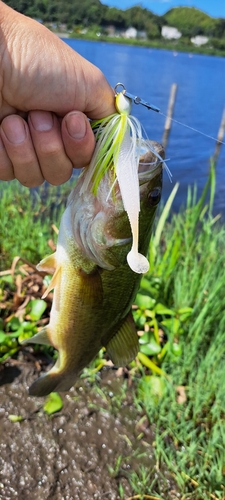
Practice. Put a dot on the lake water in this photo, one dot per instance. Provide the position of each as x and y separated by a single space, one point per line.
149 73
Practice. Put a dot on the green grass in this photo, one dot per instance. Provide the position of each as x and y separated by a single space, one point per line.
188 272
179 375
26 220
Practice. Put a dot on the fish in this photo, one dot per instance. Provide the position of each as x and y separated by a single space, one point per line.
94 287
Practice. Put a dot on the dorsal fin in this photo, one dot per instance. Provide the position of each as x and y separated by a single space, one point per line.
124 346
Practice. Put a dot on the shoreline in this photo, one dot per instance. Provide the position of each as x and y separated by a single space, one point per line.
170 45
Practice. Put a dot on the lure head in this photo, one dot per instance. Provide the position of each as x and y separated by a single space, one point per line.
123 104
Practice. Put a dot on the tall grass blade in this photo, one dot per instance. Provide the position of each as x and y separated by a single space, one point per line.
164 216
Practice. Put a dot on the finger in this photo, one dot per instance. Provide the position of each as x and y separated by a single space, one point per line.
6 168
18 144
78 138
45 131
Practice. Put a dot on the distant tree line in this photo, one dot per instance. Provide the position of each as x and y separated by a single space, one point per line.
89 13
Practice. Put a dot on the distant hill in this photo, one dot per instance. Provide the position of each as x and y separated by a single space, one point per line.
191 21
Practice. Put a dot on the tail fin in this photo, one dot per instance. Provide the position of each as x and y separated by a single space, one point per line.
53 381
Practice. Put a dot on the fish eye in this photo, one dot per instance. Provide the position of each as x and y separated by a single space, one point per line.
154 196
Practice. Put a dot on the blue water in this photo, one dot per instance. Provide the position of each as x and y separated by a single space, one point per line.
149 73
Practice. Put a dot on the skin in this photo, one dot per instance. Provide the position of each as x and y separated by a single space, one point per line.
47 91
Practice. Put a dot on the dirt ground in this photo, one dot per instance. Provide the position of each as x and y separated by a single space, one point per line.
67 456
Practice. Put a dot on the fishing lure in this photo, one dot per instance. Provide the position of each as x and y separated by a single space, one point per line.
119 139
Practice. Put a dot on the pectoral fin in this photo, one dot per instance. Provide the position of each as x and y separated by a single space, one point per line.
55 279
124 346
41 337
48 264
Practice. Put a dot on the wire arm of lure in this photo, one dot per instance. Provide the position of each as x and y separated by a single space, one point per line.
136 99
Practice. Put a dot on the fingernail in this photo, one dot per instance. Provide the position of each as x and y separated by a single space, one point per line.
76 125
42 121
14 129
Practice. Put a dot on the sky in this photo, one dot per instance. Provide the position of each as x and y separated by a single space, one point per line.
214 8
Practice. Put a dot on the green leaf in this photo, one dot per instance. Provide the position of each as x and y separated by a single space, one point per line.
27 326
185 310
139 318
36 308
149 314
176 349
144 301
2 337
14 335
53 403
161 309
13 324
24 336
10 342
151 349
185 313
7 279
148 344
151 386
173 324
3 348
15 418
184 317
146 286
144 339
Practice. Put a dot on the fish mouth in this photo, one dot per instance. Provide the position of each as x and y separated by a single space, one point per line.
151 160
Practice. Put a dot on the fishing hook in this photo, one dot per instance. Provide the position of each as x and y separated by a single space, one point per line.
135 99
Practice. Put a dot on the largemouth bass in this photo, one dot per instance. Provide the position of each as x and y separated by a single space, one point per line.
94 287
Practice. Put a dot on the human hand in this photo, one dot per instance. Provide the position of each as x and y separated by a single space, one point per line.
39 72
43 148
